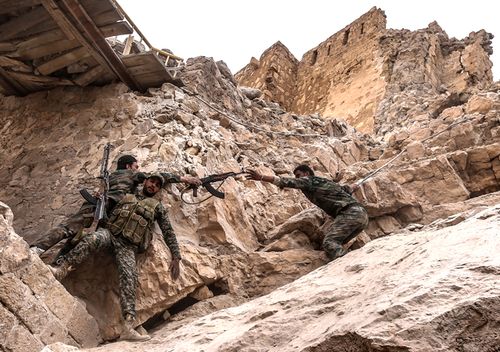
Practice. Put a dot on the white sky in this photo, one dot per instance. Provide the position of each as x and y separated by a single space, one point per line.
234 31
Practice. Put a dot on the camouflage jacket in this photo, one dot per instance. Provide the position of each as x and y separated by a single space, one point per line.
161 216
126 181
326 194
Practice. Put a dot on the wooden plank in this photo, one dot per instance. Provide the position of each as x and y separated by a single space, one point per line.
107 17
40 39
10 84
146 58
62 61
19 24
71 32
39 28
144 69
14 65
94 7
90 76
37 82
114 29
128 45
48 49
7 47
8 6
47 38
93 33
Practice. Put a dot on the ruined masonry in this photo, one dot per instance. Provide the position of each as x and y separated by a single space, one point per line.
350 74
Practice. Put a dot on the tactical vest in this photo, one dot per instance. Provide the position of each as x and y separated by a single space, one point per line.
134 218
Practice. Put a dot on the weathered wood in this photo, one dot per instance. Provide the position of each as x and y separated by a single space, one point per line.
7 47
47 39
107 17
62 61
48 49
8 6
14 65
37 29
37 82
128 45
146 58
90 76
19 24
70 30
10 84
93 33
94 7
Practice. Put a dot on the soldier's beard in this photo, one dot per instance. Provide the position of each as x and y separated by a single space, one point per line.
147 193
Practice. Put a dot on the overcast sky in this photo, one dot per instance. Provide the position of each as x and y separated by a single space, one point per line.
234 31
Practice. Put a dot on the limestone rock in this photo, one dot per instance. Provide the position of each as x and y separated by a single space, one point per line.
338 307
250 93
36 310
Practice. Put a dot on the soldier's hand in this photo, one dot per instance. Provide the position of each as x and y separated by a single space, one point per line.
175 268
254 175
354 187
191 180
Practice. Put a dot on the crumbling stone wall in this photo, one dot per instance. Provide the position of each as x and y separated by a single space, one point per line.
274 74
355 71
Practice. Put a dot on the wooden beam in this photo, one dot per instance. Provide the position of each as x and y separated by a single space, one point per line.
107 17
93 33
7 47
37 29
72 32
14 65
20 23
90 76
48 49
128 45
94 7
48 38
10 84
37 82
8 6
62 61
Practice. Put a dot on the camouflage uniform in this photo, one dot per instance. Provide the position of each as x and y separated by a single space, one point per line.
350 217
125 243
121 182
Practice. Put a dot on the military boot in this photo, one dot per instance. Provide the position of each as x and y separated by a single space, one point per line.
61 271
129 333
336 253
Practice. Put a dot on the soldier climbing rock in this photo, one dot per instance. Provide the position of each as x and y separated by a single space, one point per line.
127 232
124 180
350 217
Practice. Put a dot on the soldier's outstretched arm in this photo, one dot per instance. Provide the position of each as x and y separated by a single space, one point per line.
173 178
303 183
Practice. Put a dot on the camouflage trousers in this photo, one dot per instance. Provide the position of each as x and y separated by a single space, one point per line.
124 253
347 224
68 228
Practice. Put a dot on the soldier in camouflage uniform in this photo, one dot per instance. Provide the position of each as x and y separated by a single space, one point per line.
350 217
124 180
127 232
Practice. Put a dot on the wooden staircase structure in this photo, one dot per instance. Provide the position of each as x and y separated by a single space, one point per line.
50 43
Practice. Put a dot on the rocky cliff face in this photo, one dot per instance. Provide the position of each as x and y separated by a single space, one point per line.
35 310
260 238
355 71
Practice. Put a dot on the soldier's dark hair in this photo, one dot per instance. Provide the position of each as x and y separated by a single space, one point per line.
304 168
125 160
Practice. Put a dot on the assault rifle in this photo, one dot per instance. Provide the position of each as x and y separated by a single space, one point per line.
101 200
206 182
